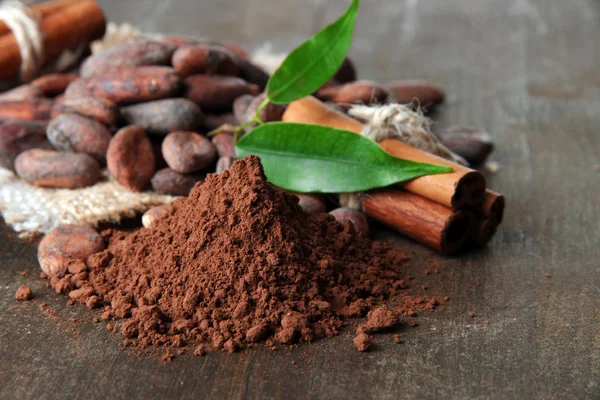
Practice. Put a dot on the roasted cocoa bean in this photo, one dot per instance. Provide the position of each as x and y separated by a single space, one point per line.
97 108
224 163
136 85
311 203
26 110
346 73
217 93
224 144
252 73
204 59
416 92
188 152
19 136
48 168
240 108
153 215
213 121
237 50
23 92
132 53
78 89
163 116
54 84
357 92
472 144
271 113
73 132
68 245
168 181
357 218
130 158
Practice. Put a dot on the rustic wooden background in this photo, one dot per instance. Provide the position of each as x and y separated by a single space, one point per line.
526 70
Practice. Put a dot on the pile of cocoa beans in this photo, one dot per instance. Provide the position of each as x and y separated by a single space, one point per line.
143 108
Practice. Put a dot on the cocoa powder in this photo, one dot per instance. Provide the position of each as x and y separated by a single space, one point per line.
235 263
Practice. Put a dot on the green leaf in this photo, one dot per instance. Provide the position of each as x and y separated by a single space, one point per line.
314 62
314 158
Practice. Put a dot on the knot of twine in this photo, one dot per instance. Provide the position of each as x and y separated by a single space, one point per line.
24 25
397 121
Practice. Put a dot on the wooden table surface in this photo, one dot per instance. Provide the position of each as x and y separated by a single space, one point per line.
526 70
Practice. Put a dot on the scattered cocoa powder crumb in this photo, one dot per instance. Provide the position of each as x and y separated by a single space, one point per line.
379 319
200 350
70 303
23 293
110 327
23 273
547 275
472 314
362 341
95 320
398 339
168 356
43 275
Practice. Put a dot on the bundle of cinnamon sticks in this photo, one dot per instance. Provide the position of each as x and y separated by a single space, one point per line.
65 25
443 211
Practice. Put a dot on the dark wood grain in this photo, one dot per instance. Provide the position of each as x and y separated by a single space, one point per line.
526 70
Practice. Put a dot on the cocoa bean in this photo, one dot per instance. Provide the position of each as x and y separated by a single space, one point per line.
417 92
217 93
26 110
240 108
357 92
188 151
271 113
78 89
204 59
472 144
134 52
252 73
153 215
224 144
237 50
163 116
346 73
48 168
357 218
311 203
67 245
19 136
130 158
168 181
97 108
224 163
213 121
53 84
23 92
73 132
136 85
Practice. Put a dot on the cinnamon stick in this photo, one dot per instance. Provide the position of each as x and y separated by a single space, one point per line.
482 230
76 23
462 186
492 206
425 221
41 11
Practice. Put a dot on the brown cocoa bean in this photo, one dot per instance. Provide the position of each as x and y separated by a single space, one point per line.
357 218
311 203
130 158
19 136
224 163
470 143
136 85
217 93
357 92
213 121
240 108
163 116
66 245
168 181
26 110
204 59
131 53
252 73
48 168
73 132
417 92
271 113
78 89
153 215
237 50
54 84
346 73
23 92
224 144
97 108
188 152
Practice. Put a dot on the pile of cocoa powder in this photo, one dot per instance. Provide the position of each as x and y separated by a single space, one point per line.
236 263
